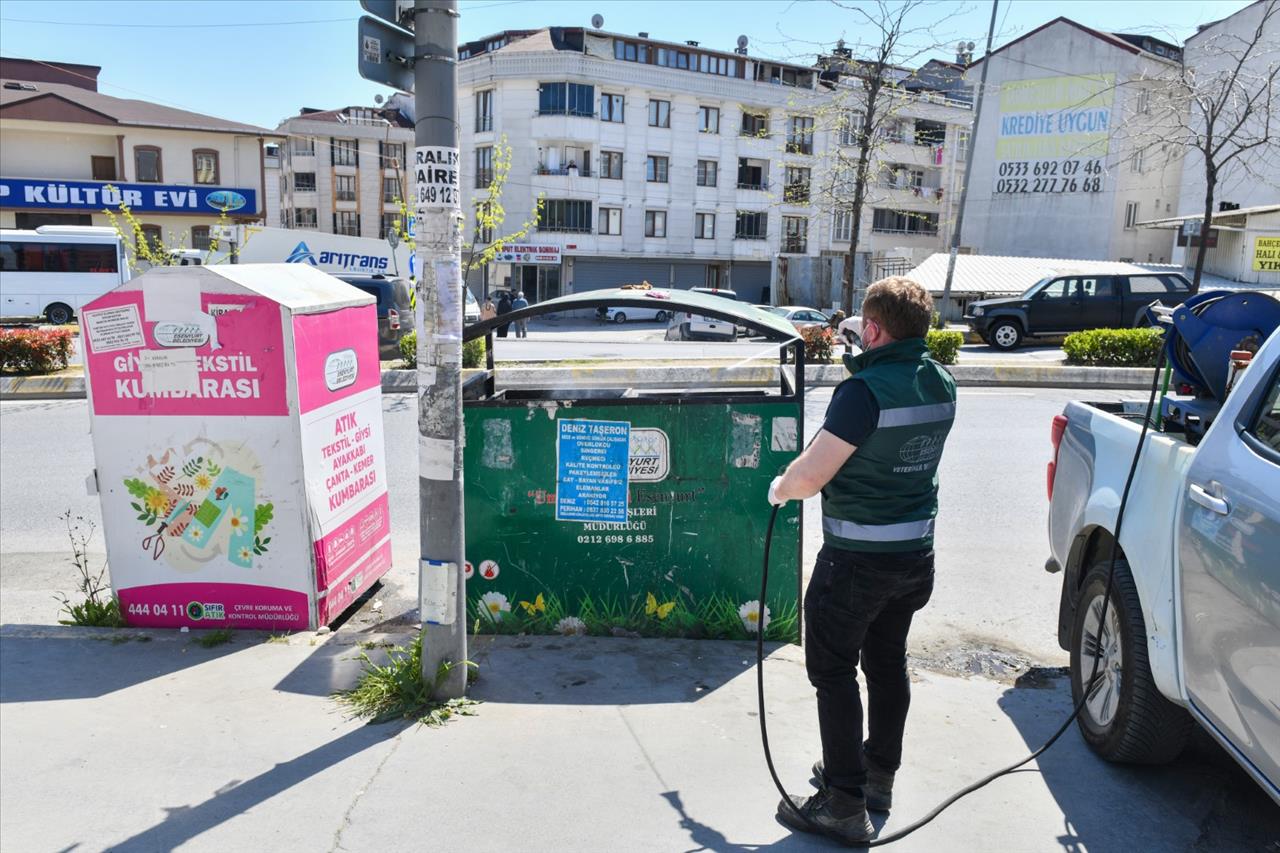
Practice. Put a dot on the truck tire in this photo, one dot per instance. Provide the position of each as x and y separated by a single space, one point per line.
1005 335
1126 719
59 314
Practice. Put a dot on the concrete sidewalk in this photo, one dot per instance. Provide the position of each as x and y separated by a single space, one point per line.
581 744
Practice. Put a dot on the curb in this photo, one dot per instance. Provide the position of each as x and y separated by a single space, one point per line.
556 378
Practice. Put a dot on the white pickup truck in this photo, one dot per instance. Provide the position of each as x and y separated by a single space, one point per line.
1192 631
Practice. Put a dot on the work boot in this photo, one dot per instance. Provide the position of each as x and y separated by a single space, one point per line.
879 787
830 812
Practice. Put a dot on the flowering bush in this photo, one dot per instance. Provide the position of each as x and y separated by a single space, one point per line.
817 343
34 350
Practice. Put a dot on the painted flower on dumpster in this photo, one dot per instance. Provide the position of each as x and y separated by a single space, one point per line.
571 626
749 612
203 482
495 604
246 555
237 521
157 502
653 608
196 534
538 605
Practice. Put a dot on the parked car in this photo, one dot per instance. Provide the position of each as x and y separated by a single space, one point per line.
1073 303
630 312
1192 628
395 309
471 308
800 317
692 325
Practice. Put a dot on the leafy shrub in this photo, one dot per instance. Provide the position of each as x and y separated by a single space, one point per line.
473 353
409 350
99 608
817 343
1114 347
34 350
943 346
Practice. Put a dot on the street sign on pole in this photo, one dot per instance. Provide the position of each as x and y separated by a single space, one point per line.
398 12
385 54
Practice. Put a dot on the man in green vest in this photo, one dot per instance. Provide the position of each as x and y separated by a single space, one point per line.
875 461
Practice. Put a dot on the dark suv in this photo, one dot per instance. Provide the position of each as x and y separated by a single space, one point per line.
395 309
1073 303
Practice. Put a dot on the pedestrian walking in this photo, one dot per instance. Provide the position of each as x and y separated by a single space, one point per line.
875 461
522 330
488 310
504 307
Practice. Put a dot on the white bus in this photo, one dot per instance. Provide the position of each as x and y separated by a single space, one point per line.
54 270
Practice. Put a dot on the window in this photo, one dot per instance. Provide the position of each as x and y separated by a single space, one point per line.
930 132
669 58
610 221
707 173
344 187
751 225
903 177
611 165
1063 288
389 223
104 168
344 152
566 215
151 234
655 223
391 189
204 165
1131 215
1135 163
1266 425
904 222
755 124
800 135
574 99
200 238
962 144
796 190
484 223
851 123
795 234
1148 284
58 257
708 120
304 146
146 164
304 182
611 107
484 111
752 175
305 217
704 226
659 114
484 167
1096 287
842 226
655 169
391 154
346 222
1144 100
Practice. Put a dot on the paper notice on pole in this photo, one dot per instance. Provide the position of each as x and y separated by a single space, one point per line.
435 174
435 458
169 371
164 299
111 329
449 298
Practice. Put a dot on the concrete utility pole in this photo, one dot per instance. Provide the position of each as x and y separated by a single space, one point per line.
968 169
439 246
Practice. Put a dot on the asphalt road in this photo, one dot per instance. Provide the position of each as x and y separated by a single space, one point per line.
991 593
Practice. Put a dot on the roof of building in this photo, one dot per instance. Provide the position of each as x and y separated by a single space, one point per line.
98 108
1239 212
1109 38
341 115
995 275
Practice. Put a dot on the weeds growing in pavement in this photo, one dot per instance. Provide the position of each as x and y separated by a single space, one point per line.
214 638
99 609
397 690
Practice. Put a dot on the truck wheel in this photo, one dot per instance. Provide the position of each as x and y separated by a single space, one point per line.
619 317
1005 335
1126 718
59 314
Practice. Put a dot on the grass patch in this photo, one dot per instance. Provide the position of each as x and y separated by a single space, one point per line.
214 638
278 638
396 690
99 608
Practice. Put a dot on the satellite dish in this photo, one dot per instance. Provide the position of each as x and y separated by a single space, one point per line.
597 21
742 41
377 99
960 47
970 45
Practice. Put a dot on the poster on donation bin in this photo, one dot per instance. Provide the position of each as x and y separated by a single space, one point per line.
238 445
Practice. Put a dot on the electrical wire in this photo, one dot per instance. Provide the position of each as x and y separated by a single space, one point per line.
1004 771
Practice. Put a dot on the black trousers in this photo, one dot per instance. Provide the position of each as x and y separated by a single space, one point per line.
858 608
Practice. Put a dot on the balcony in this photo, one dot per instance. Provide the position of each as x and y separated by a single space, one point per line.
797 194
795 245
562 228
761 186
583 171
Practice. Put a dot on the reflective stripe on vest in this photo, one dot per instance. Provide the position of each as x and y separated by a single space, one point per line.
901 532
912 415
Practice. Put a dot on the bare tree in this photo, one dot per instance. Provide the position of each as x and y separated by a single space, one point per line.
1219 103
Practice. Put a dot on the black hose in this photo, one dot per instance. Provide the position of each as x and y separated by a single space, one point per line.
1004 771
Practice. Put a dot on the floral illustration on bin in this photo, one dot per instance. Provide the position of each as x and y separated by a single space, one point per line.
200 502
644 614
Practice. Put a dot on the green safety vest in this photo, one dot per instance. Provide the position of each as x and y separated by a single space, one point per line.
885 496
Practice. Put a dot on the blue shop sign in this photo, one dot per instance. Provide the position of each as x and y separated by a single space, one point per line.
34 194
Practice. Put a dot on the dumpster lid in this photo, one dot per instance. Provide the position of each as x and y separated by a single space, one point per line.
301 288
672 300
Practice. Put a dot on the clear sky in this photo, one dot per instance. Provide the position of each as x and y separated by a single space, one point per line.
259 61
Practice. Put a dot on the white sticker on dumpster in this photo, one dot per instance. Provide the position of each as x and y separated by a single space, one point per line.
435 174
650 458
111 329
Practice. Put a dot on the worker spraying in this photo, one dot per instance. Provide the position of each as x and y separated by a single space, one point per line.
875 461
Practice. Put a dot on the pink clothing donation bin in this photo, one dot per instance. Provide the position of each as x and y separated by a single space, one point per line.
237 432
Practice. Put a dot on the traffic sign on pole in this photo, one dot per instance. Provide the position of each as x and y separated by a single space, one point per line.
398 12
385 54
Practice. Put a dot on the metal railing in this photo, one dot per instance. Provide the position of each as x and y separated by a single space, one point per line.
583 171
760 185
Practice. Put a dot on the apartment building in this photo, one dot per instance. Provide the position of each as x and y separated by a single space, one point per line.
1063 166
685 166
343 171
68 151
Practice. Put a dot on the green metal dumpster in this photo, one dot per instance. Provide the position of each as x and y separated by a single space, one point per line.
629 511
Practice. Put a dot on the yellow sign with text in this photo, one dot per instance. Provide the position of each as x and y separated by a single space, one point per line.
1055 117
1266 254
